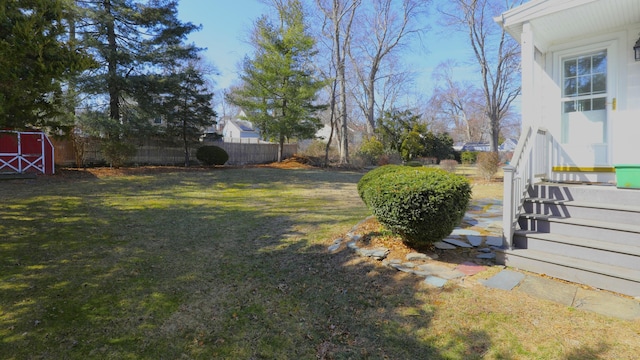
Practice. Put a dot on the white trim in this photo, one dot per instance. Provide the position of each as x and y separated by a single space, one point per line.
24 164
610 43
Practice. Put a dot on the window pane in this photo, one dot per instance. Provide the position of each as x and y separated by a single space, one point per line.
584 65
584 85
569 106
584 105
599 83
600 62
570 68
599 103
570 87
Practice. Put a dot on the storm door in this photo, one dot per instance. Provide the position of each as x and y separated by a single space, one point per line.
584 109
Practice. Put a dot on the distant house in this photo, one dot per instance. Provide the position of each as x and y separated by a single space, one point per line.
475 146
235 130
508 145
356 134
324 133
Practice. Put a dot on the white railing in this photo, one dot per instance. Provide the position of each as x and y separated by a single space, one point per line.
530 162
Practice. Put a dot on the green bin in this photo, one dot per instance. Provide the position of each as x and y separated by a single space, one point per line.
627 176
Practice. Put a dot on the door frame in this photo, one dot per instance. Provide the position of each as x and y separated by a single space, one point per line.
611 45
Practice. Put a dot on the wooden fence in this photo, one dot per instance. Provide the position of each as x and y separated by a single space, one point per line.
152 152
262 153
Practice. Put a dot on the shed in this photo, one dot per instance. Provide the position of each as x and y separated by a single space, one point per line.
26 152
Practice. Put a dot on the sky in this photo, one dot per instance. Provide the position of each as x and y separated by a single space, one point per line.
227 23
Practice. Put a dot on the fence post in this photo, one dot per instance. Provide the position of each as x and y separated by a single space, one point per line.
508 209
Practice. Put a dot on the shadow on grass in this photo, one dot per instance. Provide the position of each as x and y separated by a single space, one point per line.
229 265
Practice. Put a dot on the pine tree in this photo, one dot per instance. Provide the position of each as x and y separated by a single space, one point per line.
35 57
135 43
187 105
279 84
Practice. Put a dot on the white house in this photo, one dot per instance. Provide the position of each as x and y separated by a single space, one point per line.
563 216
237 130
581 81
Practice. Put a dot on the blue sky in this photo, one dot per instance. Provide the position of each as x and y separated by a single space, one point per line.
226 23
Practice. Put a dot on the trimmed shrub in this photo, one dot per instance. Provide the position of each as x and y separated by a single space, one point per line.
372 176
488 164
422 205
212 155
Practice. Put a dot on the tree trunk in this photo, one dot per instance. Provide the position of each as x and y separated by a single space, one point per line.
186 143
112 66
280 149
370 90
494 133
332 121
340 78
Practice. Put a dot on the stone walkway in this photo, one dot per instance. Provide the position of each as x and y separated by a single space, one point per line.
479 235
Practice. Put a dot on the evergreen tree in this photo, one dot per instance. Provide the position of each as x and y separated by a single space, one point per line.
136 43
404 132
394 125
35 57
187 107
279 84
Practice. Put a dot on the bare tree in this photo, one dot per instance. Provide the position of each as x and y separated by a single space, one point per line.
384 28
458 105
393 87
338 20
497 54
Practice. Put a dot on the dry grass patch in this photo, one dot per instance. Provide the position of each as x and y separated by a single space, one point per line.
232 263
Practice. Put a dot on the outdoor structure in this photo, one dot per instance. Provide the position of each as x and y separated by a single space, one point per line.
26 152
563 213
474 146
237 130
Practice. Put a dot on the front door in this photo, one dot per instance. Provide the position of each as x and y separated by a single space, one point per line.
584 135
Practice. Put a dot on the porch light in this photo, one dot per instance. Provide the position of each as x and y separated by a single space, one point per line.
636 50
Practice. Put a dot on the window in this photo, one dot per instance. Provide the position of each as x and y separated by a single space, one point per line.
585 82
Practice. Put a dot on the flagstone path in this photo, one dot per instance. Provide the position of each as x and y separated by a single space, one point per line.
478 236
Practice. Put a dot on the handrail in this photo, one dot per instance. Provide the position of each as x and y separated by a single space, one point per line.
530 161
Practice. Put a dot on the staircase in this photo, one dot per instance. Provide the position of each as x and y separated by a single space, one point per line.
588 234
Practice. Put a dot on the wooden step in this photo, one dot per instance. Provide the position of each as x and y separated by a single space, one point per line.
626 234
584 193
604 252
625 214
602 276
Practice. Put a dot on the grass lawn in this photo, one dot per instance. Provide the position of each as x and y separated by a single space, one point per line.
232 264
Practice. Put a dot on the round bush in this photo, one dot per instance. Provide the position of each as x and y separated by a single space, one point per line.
372 176
422 205
212 155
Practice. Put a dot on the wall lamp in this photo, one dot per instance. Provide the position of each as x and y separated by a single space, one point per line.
636 50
